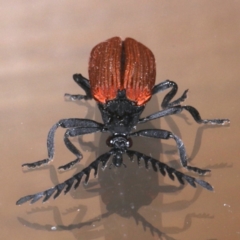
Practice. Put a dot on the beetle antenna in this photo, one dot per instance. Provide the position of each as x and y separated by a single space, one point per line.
67 185
172 173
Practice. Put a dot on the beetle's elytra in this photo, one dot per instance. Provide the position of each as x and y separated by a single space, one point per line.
122 65
121 80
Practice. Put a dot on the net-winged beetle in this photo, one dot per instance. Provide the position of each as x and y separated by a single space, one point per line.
121 80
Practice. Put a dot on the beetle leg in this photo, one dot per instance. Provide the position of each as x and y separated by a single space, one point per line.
166 101
166 104
172 173
84 84
67 185
50 147
195 114
163 134
162 113
73 132
177 109
64 123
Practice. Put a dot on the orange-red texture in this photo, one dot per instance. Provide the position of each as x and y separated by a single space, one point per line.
117 65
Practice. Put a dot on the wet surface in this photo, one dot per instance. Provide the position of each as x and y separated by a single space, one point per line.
195 44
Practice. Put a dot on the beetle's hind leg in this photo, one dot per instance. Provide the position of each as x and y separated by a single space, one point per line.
84 84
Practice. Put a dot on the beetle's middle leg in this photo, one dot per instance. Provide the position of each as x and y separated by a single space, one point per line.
74 132
174 107
177 109
166 101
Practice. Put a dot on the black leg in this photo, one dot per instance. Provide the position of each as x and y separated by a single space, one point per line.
84 84
67 185
195 114
166 101
177 109
163 168
73 132
86 126
174 106
162 113
163 134
74 150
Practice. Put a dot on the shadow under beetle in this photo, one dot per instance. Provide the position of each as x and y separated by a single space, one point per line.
122 80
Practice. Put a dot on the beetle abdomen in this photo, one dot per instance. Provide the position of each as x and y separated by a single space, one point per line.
116 65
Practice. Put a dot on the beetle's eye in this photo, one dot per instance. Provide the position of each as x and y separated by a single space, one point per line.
129 142
109 142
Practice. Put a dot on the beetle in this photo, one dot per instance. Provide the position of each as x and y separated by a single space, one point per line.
122 77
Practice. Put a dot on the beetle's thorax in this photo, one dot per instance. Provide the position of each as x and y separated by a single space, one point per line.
120 115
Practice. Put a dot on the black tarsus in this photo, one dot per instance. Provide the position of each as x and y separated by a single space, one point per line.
196 115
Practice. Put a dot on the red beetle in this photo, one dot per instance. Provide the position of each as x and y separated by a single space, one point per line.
121 80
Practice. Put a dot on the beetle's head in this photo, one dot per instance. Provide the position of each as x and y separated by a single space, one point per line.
119 142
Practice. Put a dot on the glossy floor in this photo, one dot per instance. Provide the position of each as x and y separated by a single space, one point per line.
195 44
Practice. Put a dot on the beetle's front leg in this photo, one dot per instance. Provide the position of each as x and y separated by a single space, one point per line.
76 126
84 84
73 132
163 134
50 148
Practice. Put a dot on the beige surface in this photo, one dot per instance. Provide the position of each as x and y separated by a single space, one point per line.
196 43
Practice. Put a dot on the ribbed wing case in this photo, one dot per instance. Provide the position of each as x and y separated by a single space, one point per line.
139 71
116 65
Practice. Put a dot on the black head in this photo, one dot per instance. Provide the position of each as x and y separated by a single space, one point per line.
119 142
